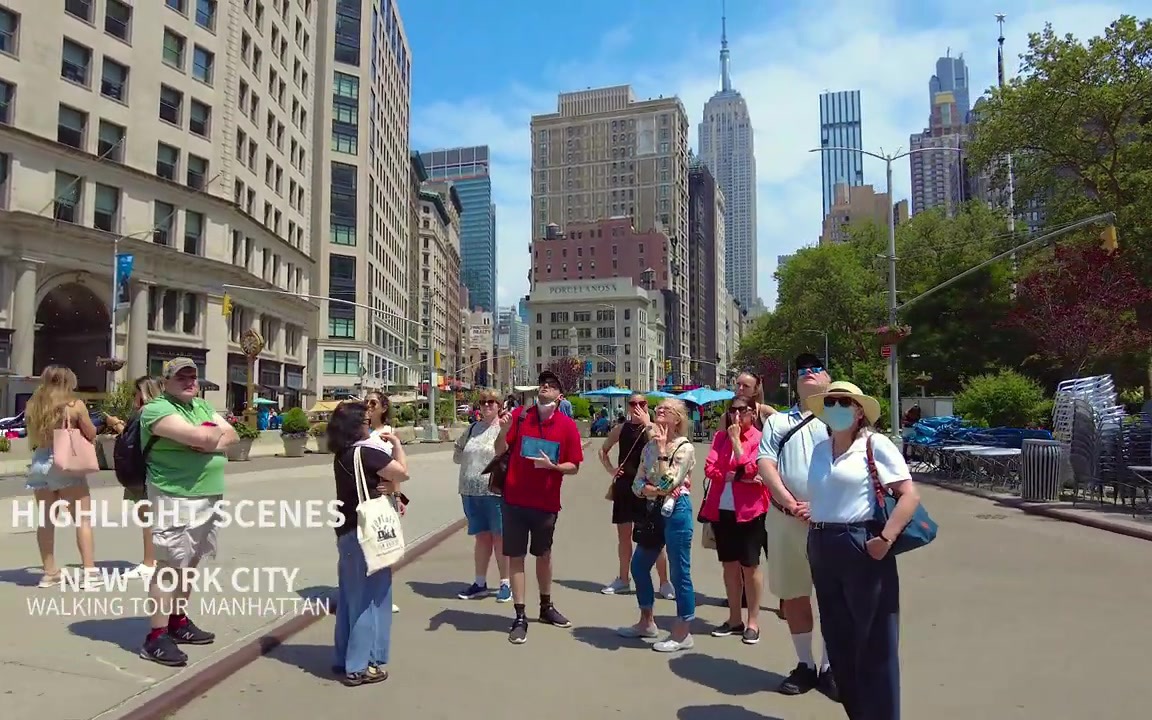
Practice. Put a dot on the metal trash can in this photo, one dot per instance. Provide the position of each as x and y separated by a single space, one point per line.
1041 469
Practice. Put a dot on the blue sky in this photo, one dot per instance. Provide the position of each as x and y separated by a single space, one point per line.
482 69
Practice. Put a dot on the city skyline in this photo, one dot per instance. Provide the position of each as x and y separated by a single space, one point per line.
888 56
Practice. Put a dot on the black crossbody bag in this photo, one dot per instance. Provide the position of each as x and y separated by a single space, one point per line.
648 530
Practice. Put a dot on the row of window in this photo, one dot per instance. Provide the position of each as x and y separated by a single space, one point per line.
117 16
270 268
241 320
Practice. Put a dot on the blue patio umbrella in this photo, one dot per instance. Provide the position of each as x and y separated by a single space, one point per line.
610 391
704 396
659 394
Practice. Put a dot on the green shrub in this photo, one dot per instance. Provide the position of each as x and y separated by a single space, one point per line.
1007 399
318 430
120 403
245 431
581 408
294 423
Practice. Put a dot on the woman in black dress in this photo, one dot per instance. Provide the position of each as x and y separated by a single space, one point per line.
630 437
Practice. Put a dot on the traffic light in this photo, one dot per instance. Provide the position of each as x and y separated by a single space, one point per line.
667 366
226 306
1108 240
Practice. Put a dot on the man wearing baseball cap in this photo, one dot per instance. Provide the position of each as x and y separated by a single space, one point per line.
186 460
544 446
785 455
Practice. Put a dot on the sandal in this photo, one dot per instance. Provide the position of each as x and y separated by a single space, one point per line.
49 580
373 674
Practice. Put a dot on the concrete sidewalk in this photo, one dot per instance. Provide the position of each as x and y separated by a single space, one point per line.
1006 616
77 667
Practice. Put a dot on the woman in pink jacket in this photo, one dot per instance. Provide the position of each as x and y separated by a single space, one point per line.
735 506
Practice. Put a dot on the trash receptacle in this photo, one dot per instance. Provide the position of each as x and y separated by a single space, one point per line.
1041 468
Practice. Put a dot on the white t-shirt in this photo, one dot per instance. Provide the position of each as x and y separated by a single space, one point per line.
375 441
793 465
840 490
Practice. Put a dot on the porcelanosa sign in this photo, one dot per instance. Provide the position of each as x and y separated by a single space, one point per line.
586 289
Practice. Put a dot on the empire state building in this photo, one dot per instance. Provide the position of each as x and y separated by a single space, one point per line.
726 148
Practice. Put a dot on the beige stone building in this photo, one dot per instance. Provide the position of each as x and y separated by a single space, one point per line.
605 154
613 324
179 133
438 276
858 203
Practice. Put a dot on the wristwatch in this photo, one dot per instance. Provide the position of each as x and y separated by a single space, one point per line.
886 540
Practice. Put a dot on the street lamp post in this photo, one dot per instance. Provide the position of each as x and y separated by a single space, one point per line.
827 360
893 305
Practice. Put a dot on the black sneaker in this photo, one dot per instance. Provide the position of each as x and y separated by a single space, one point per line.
551 616
474 592
373 674
519 632
188 634
162 650
727 629
750 636
802 679
827 684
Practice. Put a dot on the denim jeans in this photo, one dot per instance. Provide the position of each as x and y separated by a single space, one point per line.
363 610
859 601
678 540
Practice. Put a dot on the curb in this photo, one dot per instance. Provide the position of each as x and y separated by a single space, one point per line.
1044 510
185 690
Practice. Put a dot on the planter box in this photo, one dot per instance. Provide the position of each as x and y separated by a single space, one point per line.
294 447
240 451
321 445
105 451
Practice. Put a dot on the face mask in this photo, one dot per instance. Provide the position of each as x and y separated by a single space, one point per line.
545 405
839 418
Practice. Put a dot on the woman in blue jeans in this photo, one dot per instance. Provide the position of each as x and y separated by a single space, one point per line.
364 608
664 480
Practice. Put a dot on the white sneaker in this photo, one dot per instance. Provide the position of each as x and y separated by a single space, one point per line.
667 592
395 608
671 646
141 571
637 631
616 586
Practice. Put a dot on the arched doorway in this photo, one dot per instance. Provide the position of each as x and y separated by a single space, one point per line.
72 330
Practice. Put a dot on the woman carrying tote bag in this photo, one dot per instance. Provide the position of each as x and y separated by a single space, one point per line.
363 474
61 434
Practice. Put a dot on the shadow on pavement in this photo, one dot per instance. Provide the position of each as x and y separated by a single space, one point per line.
316 660
720 712
126 633
22 577
725 676
436 591
586 586
607 638
468 621
313 592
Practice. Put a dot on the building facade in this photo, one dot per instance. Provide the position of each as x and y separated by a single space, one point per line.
362 200
937 164
130 128
727 148
479 368
952 77
438 278
603 154
840 127
512 349
707 307
600 250
613 324
857 204
468 169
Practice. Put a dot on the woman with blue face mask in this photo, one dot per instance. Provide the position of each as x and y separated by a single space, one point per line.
855 577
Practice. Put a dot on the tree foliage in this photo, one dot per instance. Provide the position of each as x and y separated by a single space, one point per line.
1079 308
569 370
1004 399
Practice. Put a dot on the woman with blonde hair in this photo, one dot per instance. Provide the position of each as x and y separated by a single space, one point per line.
664 480
54 405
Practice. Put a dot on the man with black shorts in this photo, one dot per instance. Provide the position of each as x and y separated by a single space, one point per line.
544 446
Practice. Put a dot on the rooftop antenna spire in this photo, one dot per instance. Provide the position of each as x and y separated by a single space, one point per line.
725 60
1000 48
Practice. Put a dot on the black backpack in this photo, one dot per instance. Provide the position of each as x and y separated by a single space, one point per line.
131 461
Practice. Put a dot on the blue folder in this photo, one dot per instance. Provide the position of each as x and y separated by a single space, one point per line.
531 447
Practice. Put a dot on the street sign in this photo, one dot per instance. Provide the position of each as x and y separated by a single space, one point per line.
885 351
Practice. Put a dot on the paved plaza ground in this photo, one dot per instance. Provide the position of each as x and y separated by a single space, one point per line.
1007 615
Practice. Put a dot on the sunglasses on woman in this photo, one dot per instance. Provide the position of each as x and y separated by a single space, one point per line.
637 403
741 409
841 401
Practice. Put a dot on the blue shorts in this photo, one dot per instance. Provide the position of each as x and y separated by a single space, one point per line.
483 514
43 475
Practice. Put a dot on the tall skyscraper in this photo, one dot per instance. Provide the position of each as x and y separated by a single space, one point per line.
603 154
727 149
360 224
952 76
709 299
939 174
467 168
840 126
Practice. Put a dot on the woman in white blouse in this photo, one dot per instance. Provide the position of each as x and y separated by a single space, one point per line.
857 586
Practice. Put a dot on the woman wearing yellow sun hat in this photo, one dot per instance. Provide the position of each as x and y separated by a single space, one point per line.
854 574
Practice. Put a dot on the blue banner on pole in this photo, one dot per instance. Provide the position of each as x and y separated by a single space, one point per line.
124 265
587 367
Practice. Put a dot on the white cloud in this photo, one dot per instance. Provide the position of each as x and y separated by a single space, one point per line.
780 70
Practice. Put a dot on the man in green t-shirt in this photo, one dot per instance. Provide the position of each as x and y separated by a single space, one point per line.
185 482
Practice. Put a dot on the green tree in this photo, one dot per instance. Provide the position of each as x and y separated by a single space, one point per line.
1005 399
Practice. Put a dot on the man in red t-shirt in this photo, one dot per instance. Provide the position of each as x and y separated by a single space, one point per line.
545 446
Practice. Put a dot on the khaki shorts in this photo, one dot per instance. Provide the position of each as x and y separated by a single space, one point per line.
789 576
183 528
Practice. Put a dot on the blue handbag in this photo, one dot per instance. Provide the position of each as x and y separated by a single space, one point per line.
921 529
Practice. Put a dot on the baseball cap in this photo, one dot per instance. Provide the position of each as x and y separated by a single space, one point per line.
807 360
175 365
551 378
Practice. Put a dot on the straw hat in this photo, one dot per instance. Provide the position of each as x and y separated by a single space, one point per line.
842 388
